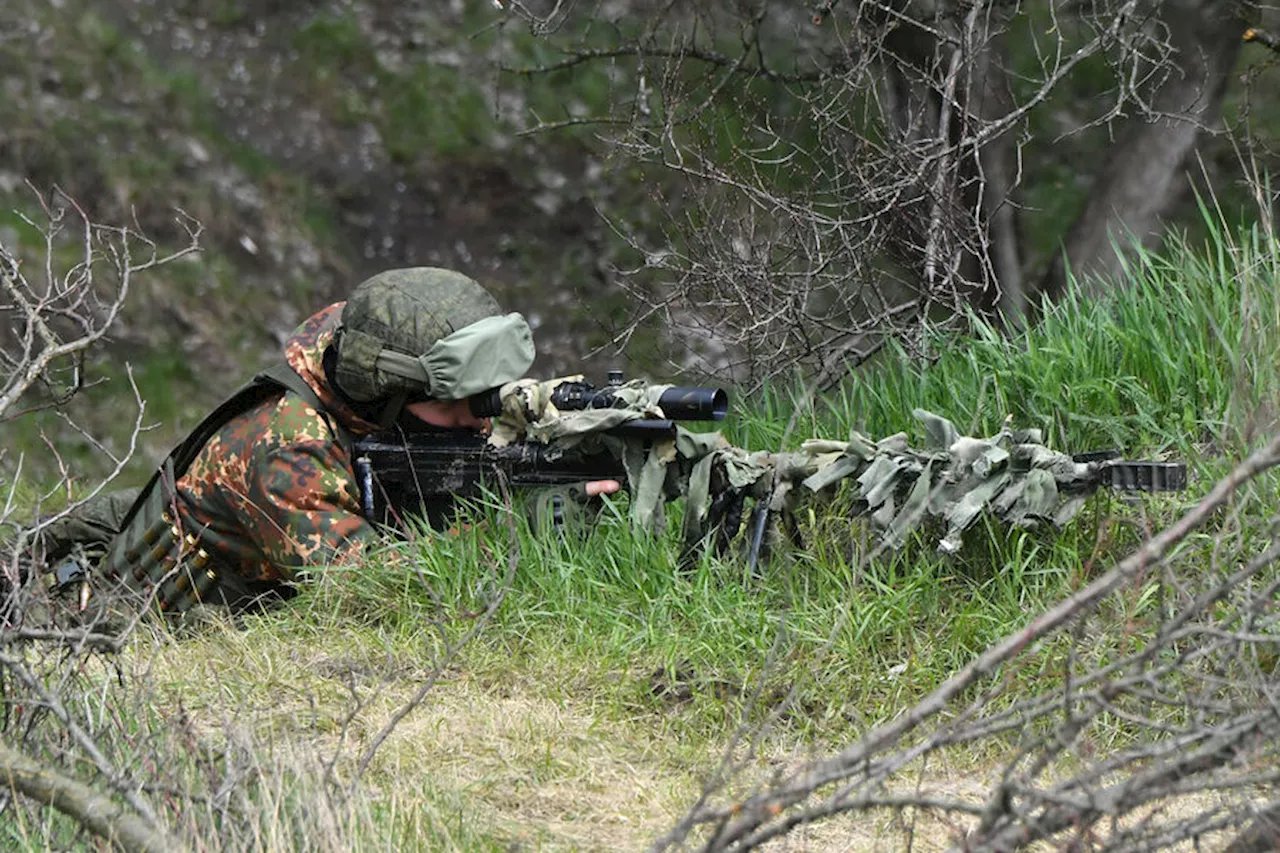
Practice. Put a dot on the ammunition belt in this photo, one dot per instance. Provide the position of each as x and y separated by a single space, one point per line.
165 557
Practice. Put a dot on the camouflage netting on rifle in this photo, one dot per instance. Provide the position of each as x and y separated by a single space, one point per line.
529 413
954 478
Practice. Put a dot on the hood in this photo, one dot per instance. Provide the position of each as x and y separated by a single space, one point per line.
304 351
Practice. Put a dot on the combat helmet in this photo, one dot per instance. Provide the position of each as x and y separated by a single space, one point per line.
426 333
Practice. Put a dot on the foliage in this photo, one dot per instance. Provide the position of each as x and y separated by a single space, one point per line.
607 682
656 668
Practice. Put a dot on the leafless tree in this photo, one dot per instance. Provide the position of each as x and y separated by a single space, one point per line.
52 314
833 174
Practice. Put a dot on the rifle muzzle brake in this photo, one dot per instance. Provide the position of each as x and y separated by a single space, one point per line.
1124 475
1144 476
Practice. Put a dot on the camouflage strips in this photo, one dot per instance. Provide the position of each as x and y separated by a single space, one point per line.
528 412
955 478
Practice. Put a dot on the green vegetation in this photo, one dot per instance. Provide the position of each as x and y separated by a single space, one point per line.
585 709
1179 359
1174 363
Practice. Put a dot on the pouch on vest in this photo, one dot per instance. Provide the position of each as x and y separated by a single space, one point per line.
92 526
154 554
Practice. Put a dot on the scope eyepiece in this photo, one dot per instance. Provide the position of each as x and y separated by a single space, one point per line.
486 404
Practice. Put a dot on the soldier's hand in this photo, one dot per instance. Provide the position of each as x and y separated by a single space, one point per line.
601 487
572 507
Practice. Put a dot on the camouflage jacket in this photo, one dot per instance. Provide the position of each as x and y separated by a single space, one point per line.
273 489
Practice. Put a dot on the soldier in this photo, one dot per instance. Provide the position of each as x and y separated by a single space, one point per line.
264 485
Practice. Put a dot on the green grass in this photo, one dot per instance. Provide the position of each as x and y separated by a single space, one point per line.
1179 358
1172 365
584 715
606 667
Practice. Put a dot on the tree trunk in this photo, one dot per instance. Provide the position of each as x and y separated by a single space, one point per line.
1143 178
967 226
996 175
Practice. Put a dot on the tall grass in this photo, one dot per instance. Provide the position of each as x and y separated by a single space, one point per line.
1179 353
1174 361
657 664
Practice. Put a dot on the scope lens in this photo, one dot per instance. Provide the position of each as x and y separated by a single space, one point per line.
694 404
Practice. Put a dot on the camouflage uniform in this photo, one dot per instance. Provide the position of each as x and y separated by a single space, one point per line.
273 489
264 484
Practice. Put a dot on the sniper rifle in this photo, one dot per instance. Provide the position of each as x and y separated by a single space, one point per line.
566 431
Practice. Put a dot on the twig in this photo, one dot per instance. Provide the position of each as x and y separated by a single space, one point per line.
750 823
452 650
1262 37
96 813
109 643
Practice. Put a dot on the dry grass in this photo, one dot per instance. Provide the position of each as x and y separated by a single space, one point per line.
539 761
528 764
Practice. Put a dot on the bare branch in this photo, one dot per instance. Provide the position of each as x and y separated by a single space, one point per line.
1207 720
96 813
809 179
451 650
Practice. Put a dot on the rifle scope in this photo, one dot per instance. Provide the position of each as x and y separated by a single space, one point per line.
678 403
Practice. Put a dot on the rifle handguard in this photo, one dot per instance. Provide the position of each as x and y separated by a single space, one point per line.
1144 476
1117 473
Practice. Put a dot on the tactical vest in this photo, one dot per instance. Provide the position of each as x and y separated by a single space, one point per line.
153 550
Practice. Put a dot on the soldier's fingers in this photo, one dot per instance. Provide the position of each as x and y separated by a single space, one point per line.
602 487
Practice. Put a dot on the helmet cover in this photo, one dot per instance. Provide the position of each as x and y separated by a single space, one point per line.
427 332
